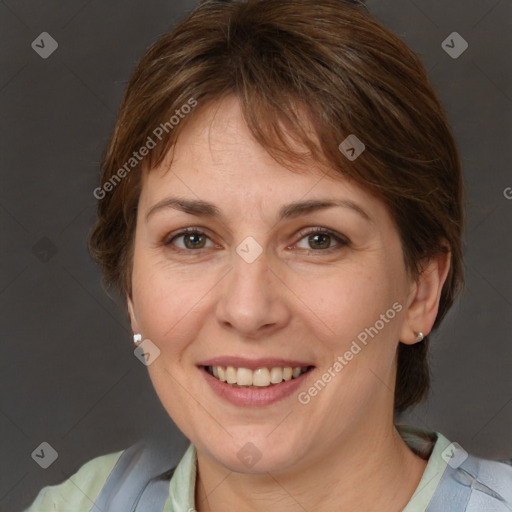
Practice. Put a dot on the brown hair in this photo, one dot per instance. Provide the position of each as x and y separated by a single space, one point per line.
297 64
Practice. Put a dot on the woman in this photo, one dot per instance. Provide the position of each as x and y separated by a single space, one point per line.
282 206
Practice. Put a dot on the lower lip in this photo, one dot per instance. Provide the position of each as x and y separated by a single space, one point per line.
253 397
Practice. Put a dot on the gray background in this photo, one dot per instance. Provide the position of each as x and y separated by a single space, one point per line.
68 372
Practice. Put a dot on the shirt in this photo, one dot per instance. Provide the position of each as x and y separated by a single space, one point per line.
78 493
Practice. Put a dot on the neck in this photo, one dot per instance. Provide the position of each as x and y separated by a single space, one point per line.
376 472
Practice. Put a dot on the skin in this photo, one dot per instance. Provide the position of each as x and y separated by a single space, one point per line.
341 451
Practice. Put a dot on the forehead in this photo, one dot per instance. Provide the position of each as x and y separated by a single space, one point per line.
217 135
217 158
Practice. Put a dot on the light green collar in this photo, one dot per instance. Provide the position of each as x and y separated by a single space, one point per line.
422 442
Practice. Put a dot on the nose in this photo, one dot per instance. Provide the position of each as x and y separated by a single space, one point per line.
253 299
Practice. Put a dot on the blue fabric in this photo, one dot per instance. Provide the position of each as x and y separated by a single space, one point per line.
139 482
473 486
140 479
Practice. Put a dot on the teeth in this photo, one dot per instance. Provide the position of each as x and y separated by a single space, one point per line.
262 377
276 375
231 375
244 377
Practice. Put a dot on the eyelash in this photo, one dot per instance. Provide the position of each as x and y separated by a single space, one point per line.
341 241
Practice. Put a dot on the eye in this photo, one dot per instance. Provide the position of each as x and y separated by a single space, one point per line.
321 240
192 238
317 240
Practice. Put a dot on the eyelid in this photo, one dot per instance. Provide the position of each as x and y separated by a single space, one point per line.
342 240
168 239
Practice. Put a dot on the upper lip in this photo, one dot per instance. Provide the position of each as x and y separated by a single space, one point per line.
253 364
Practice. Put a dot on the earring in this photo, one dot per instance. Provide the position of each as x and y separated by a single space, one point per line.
137 338
419 336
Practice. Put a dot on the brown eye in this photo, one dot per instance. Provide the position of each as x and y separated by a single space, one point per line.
319 241
322 240
192 239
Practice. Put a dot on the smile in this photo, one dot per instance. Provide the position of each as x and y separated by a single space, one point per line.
258 378
254 382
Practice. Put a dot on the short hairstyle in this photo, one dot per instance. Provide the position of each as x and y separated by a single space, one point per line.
318 70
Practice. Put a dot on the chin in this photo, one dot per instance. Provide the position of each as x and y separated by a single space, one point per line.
255 454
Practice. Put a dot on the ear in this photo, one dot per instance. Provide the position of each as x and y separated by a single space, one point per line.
423 301
131 313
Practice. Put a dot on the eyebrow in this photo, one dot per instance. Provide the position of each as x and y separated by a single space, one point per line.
295 209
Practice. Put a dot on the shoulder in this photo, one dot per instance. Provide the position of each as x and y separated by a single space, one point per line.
492 479
80 490
454 479
477 483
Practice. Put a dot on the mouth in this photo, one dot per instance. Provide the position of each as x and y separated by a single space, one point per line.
248 382
259 378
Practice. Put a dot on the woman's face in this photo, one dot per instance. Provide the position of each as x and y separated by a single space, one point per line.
258 288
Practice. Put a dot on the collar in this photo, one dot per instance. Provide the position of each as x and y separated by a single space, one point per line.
427 444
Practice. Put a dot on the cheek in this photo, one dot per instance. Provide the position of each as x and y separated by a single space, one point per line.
167 301
345 303
355 320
